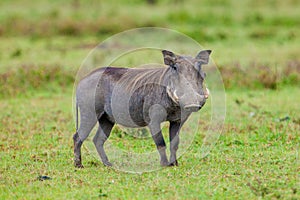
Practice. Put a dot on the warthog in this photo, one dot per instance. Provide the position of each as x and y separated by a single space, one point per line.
141 97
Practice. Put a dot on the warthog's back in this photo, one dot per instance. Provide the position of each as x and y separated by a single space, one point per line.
123 94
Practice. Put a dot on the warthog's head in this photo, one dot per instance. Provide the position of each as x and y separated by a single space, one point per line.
185 84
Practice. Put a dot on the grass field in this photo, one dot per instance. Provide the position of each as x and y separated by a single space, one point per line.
255 156
256 47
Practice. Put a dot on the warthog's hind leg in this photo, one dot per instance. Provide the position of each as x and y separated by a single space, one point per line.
87 122
77 150
101 136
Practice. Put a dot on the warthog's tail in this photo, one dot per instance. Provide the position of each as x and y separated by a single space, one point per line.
76 117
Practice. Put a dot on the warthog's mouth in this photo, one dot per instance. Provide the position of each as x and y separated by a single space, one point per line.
192 107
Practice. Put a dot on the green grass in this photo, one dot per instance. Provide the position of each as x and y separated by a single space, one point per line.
256 156
256 47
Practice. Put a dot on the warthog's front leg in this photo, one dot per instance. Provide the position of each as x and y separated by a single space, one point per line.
174 142
159 142
157 115
101 136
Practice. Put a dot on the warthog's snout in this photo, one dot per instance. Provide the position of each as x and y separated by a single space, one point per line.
192 107
198 102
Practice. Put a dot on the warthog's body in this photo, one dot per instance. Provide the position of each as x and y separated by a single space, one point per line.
141 97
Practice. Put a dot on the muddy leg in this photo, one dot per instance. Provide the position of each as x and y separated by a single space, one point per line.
77 151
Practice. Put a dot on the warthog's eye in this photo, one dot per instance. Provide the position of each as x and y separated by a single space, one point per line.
174 66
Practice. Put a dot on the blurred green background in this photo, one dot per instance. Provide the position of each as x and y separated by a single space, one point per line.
48 40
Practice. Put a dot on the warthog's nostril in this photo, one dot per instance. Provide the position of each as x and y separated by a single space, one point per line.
192 107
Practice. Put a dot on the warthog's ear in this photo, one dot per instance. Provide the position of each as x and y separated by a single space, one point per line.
203 56
169 58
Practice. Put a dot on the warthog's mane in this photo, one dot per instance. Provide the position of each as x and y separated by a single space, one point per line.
139 77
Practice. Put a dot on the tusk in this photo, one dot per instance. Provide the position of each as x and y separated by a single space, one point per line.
175 95
172 95
206 94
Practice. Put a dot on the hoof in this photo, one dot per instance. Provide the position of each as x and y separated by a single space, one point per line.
171 164
164 163
107 164
78 165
